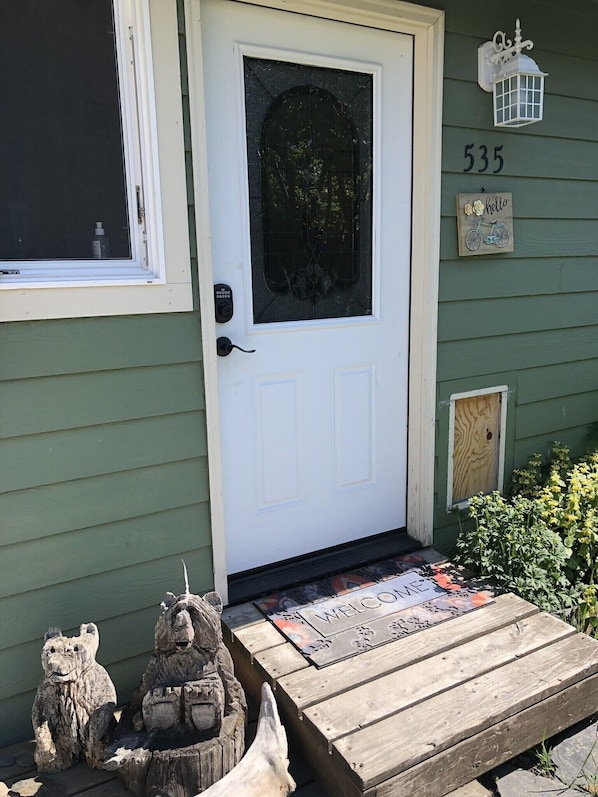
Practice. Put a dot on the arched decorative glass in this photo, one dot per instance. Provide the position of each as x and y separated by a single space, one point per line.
309 141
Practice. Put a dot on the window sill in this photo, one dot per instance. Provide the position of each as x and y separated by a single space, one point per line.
48 279
19 302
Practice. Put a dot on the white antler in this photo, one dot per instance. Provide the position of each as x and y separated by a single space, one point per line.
186 578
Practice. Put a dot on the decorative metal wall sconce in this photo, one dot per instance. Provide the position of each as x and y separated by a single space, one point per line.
515 80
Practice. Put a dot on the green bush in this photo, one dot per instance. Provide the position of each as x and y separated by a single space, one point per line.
542 541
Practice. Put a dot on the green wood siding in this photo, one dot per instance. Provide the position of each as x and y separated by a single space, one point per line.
104 489
527 319
103 473
103 486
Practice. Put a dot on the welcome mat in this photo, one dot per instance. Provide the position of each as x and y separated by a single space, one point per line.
341 616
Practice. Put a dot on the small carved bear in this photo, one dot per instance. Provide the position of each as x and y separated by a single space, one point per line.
74 705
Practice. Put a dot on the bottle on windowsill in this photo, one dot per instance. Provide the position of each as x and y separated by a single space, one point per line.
100 246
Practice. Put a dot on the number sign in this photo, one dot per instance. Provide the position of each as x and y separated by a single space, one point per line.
480 160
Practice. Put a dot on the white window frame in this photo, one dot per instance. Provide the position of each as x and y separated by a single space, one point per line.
158 277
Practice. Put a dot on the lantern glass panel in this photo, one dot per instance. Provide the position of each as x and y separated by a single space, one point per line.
518 100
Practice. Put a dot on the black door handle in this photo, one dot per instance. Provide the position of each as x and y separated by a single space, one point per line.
224 346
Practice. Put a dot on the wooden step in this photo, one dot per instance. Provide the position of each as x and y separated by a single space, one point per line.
423 715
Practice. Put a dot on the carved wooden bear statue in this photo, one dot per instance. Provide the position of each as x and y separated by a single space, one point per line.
189 684
74 705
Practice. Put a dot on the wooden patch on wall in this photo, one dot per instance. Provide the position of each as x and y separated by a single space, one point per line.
485 224
476 444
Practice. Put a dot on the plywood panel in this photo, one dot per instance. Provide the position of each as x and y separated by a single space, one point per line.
476 445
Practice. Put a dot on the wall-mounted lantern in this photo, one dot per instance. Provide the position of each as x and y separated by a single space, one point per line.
515 80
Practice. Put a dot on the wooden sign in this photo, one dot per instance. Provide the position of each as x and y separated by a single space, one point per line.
485 223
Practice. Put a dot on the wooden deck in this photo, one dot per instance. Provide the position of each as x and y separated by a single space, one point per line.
418 717
421 716
23 778
19 773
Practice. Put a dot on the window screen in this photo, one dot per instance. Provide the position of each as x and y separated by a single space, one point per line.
61 144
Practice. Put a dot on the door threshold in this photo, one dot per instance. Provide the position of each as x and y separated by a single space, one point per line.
260 581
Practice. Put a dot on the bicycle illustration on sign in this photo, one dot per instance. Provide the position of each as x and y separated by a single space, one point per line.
498 235
489 224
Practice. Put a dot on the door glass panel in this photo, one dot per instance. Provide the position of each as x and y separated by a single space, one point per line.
309 153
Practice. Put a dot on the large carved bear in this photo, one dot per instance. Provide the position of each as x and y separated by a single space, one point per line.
189 684
74 705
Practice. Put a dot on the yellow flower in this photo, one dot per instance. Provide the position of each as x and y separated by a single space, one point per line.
478 207
468 209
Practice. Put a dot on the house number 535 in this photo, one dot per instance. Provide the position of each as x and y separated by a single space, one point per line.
482 158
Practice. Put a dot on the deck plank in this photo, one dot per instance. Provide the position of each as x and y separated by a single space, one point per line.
280 661
377 753
310 686
252 669
481 752
71 781
382 697
258 636
236 617
23 751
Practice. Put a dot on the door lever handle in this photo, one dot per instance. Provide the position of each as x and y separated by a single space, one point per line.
224 346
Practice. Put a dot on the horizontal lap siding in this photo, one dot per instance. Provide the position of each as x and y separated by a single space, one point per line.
104 489
103 485
527 319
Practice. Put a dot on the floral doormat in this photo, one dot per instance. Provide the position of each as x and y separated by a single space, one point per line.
343 615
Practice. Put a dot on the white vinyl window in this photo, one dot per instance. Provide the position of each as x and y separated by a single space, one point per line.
90 142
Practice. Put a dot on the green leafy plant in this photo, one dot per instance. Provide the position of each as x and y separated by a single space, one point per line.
516 550
542 541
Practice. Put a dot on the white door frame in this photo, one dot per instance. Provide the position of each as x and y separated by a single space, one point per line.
426 25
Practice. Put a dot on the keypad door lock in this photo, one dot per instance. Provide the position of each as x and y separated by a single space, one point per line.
223 303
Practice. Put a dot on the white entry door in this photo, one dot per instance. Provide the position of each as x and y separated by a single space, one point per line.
309 126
